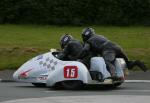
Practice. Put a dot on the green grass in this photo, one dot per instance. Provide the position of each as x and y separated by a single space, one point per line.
18 43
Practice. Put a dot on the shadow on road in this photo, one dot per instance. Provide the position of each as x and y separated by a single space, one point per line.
91 88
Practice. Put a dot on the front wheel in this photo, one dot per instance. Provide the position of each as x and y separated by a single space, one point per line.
72 84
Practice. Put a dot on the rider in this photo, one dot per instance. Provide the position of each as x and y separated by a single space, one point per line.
73 50
100 45
71 47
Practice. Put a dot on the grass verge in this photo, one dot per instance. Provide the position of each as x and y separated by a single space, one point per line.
18 43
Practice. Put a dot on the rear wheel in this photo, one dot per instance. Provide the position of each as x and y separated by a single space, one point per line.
112 86
117 84
72 84
39 84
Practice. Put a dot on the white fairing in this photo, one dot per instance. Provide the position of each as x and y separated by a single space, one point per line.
62 74
120 67
34 70
48 69
98 64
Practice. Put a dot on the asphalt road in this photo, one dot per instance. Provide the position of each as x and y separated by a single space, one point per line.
130 92
13 91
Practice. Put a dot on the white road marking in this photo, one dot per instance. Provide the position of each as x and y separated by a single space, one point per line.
126 81
134 90
49 91
137 81
86 99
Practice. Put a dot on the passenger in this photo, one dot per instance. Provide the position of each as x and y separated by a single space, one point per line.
99 45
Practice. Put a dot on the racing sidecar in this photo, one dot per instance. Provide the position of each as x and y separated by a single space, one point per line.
48 70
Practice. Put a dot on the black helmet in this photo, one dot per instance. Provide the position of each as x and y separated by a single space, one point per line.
64 40
87 33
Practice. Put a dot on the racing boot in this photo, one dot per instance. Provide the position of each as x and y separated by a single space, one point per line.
138 63
141 65
111 70
96 75
108 81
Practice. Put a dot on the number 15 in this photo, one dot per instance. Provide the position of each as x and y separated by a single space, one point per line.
70 72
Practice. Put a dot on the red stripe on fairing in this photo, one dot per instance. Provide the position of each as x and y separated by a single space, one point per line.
24 74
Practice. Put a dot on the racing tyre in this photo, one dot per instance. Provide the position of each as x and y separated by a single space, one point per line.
117 84
72 85
39 84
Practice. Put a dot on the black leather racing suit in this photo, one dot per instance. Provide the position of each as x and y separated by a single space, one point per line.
100 45
71 51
